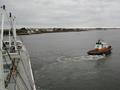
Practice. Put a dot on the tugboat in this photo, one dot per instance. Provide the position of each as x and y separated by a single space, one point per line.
101 48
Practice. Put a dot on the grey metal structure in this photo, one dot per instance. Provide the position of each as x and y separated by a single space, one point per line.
15 66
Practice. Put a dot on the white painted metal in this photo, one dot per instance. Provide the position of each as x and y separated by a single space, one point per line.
2 26
1 73
14 32
9 38
1 58
24 80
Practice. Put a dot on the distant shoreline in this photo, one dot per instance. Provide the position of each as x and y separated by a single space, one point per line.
30 31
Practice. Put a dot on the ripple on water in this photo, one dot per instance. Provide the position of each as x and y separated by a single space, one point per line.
80 58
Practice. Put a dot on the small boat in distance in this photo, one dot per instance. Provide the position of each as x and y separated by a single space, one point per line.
101 48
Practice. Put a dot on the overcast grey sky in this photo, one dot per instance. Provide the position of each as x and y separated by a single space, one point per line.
65 13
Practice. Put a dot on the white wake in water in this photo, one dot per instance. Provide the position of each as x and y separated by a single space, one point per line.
80 58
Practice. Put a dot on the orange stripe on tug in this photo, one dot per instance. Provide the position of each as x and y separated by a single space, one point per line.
101 48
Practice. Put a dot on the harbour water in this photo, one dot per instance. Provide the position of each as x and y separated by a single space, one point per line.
57 63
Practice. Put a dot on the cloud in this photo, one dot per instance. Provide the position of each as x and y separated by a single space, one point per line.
65 13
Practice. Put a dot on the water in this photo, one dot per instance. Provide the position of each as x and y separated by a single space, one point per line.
58 64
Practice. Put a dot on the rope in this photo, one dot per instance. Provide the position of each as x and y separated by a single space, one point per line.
7 52
15 81
13 64
6 83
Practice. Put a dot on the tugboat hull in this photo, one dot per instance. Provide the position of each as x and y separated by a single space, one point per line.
93 52
100 52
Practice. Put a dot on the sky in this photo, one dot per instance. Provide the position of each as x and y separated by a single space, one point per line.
65 13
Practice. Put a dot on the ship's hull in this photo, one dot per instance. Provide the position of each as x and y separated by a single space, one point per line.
107 51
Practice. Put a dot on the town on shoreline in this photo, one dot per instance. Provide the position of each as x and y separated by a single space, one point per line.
28 31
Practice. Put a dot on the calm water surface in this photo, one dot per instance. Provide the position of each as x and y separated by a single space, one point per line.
52 72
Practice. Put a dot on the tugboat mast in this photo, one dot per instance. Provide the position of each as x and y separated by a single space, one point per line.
2 86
